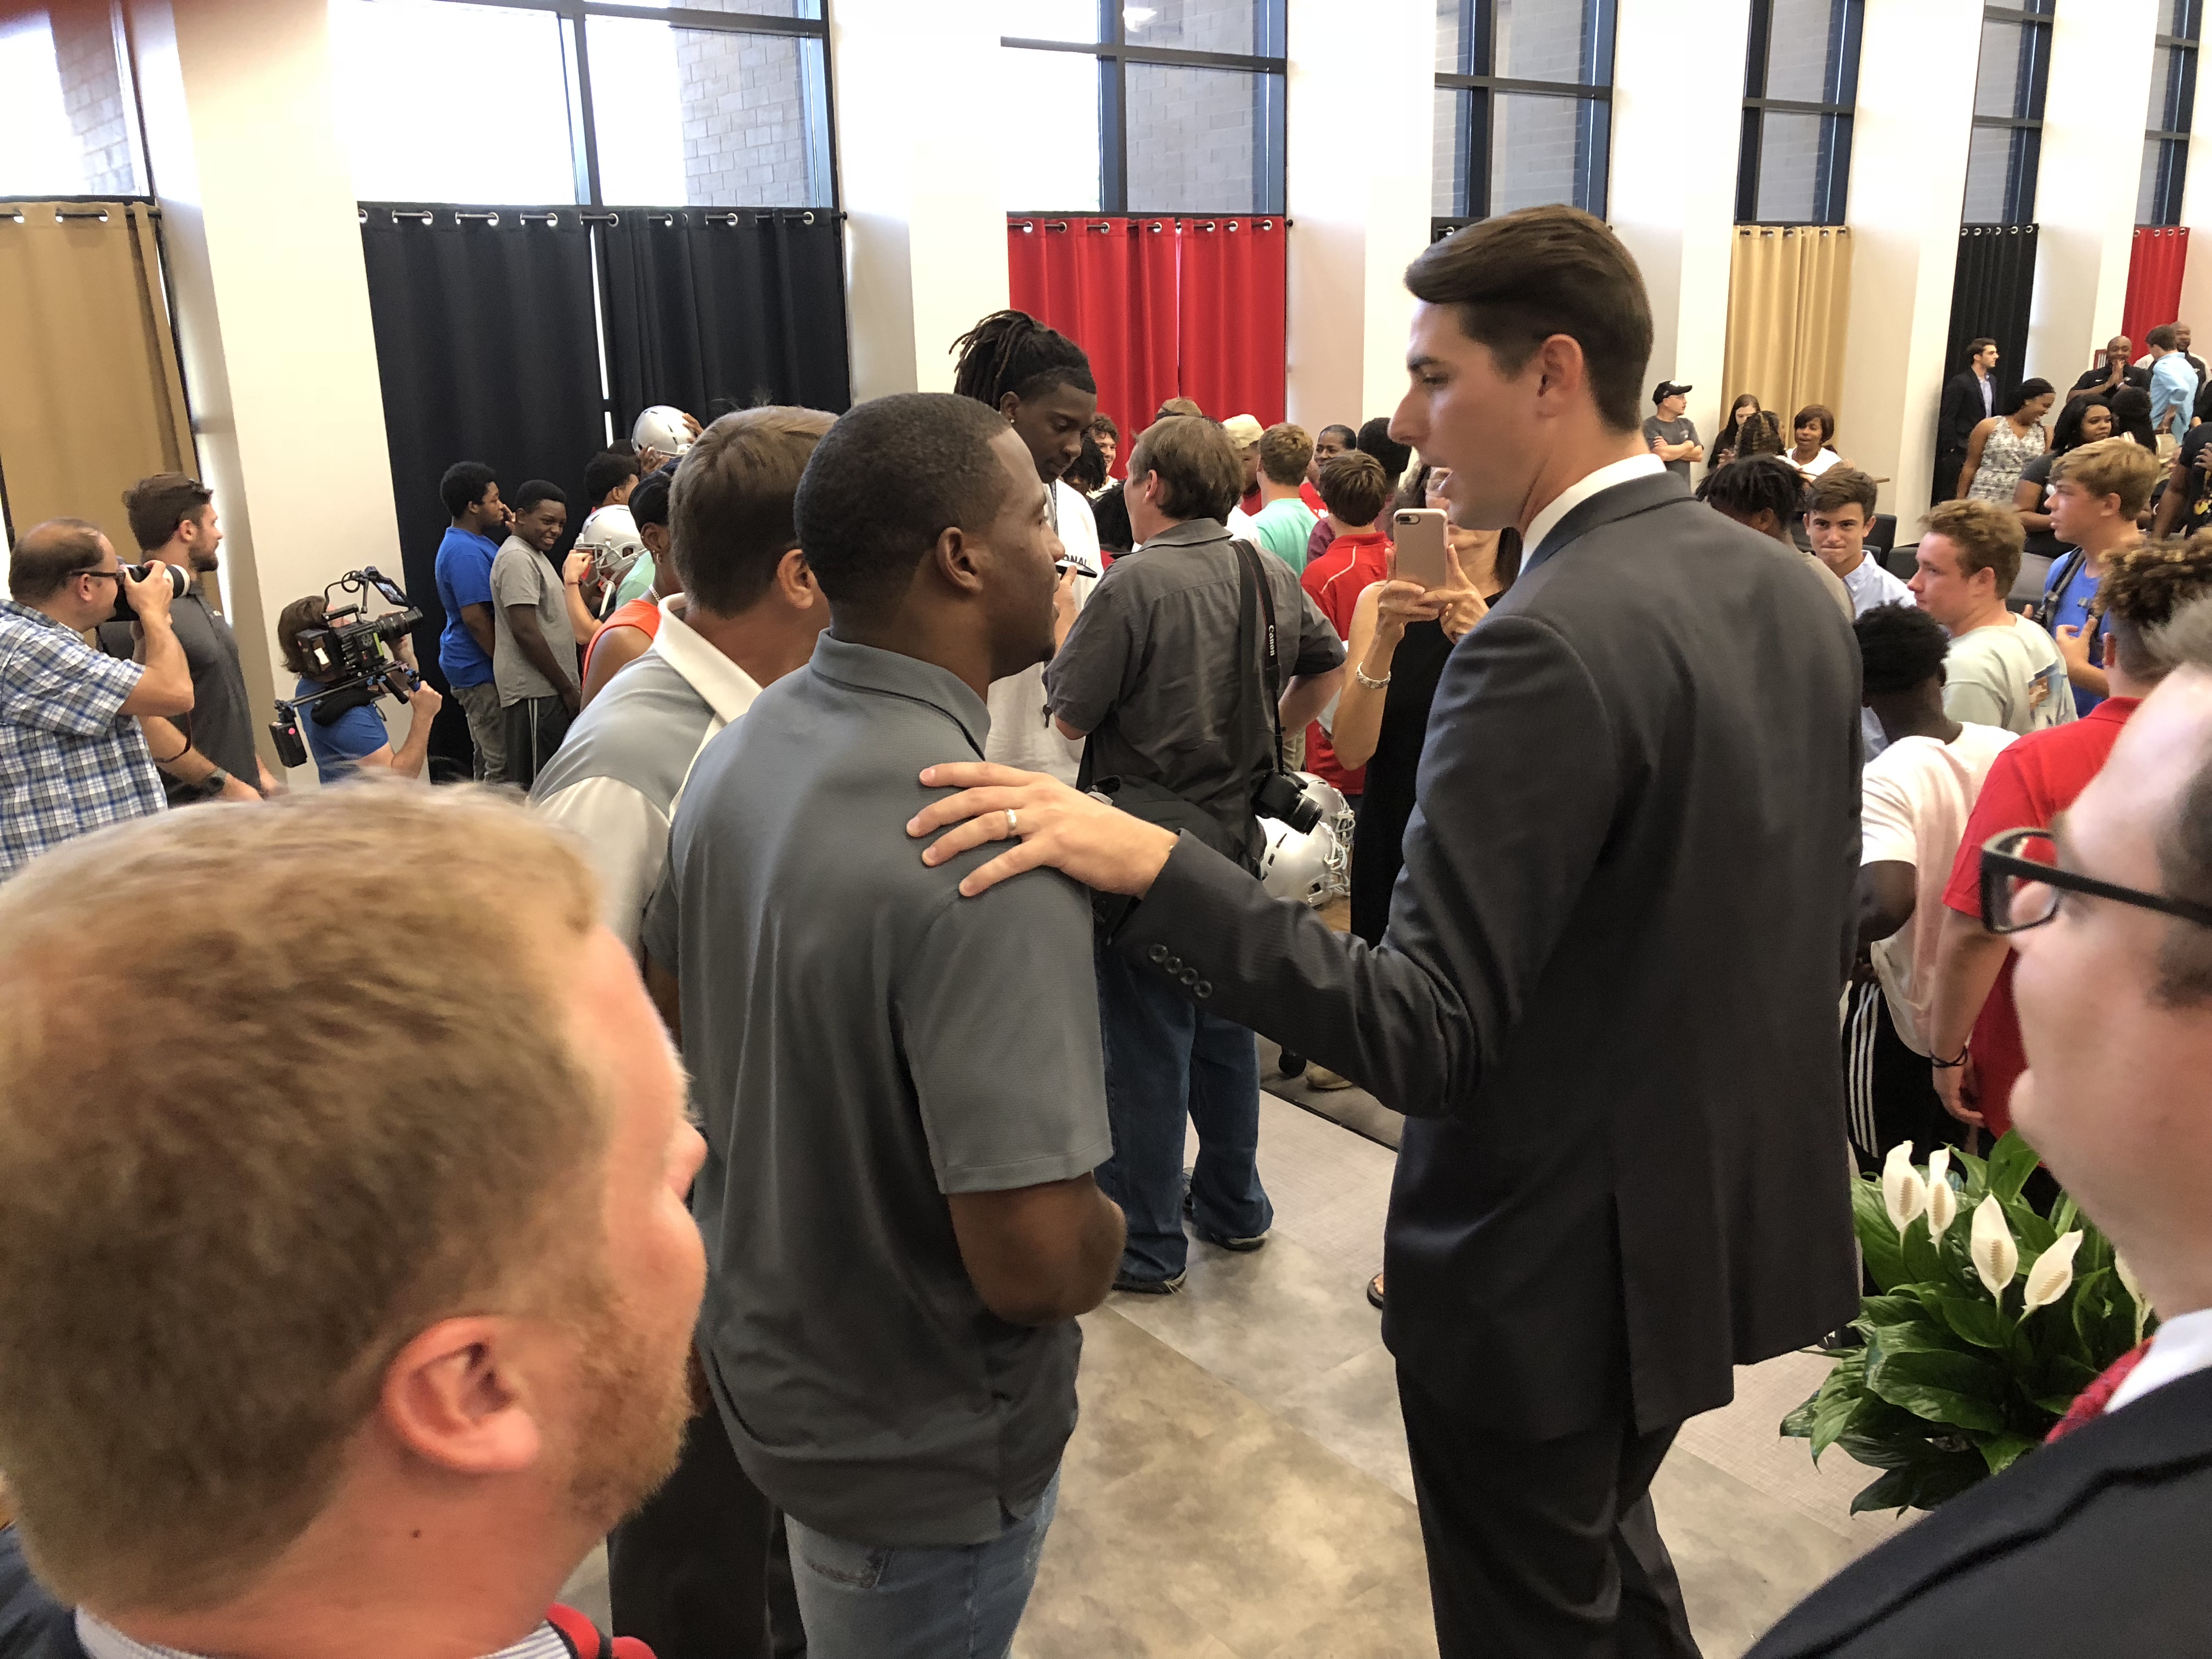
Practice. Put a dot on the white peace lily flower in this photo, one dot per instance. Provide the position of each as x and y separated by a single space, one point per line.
2134 1288
1997 1258
1942 1196
2052 1273
1903 1194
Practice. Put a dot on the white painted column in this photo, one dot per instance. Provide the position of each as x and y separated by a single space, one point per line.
1910 133
926 224
272 305
1360 97
2196 210
2085 192
1677 116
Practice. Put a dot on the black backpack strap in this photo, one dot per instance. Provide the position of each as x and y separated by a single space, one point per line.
2054 585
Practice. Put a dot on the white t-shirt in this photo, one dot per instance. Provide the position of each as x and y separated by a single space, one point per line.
2009 675
1819 463
1021 734
1915 798
1241 524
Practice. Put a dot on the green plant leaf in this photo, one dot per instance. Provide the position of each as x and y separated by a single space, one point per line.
2033 1233
1975 1318
1884 1263
1923 1484
1922 1255
1903 1308
1798 1425
1838 1403
1940 1385
2066 1215
2012 1160
2000 1451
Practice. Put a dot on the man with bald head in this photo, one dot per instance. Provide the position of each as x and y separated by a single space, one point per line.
72 756
2114 372
2094 1543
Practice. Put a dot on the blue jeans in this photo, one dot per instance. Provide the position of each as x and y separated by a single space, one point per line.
877 1601
1167 1059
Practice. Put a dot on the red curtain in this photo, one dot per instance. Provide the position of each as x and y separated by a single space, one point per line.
1165 308
2162 252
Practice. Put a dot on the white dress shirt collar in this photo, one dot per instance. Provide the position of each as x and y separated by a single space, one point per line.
1615 472
2182 1347
729 689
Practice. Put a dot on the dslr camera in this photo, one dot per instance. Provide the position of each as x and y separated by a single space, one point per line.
1282 796
180 581
356 650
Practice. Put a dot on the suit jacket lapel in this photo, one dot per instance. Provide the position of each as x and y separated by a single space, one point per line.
1637 495
2169 1428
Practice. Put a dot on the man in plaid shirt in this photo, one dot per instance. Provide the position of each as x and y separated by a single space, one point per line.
72 756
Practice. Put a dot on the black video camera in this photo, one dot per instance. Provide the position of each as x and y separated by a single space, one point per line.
1282 797
354 648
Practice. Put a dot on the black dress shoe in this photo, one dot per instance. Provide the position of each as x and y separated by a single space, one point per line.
1290 1065
1148 1286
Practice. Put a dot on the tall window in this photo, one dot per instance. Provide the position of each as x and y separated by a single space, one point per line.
69 116
725 104
2172 98
1171 107
2008 112
1801 79
1523 105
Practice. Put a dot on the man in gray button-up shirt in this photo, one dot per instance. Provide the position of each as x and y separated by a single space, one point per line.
902 1093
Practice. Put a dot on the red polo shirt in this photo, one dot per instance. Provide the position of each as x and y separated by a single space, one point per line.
1352 564
2029 785
1311 497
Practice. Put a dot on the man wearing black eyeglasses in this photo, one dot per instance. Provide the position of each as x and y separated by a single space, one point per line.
2094 1543
72 756
1973 1035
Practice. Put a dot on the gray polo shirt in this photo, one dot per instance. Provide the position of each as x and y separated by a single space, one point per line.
862 1041
221 723
1149 669
520 575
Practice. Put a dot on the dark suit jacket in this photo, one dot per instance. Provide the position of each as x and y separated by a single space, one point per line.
1608 988
2093 1547
1962 412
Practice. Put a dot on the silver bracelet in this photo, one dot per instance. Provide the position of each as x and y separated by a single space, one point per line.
1369 680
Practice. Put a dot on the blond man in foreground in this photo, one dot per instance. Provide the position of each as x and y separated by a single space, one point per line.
347 1298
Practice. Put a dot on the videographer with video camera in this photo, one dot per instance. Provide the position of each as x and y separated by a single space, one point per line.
345 729
72 757
1151 673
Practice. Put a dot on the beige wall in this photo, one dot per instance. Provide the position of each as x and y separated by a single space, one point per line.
272 304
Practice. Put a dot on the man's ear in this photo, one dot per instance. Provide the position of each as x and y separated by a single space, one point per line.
956 559
794 581
1009 405
458 1396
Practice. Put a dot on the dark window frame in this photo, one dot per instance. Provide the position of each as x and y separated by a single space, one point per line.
575 44
1116 51
2031 81
1833 167
2180 108
1475 141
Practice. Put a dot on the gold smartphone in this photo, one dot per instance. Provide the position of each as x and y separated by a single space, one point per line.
1419 533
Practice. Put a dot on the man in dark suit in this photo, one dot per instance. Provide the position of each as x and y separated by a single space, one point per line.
1969 397
2094 1544
1607 994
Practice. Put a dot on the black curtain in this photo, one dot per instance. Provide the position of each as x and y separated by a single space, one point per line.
487 348
713 310
1991 293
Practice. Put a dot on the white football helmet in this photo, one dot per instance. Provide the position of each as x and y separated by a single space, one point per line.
610 535
661 428
1316 866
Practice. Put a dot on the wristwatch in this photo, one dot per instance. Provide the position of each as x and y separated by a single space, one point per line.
215 783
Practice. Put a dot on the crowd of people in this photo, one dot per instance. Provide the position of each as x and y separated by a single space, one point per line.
716 1154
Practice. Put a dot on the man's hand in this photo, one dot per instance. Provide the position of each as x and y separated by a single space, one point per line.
271 783
2073 647
1100 846
1063 604
150 597
237 788
1952 1088
577 567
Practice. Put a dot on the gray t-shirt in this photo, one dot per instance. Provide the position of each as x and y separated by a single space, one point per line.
862 1041
520 575
2009 675
221 723
1684 431
1149 669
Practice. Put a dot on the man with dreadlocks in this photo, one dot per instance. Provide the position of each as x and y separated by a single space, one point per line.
1040 380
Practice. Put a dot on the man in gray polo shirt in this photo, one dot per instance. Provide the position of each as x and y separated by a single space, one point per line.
901 1090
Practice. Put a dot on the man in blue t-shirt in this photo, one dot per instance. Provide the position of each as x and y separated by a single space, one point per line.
2096 492
345 732
464 648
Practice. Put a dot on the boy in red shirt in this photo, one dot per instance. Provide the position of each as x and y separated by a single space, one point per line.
1973 1035
1355 492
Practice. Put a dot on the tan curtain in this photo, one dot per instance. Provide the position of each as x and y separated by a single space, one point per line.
91 398
1789 292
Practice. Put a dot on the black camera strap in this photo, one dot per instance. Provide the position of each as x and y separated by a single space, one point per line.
1252 581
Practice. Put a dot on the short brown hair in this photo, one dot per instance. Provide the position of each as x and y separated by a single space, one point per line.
1820 412
1179 406
1352 487
1521 277
1101 424
1839 487
299 616
2112 466
47 555
1201 476
224 1214
1988 537
1285 451
159 504
730 516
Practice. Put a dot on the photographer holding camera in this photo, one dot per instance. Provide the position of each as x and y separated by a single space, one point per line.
72 757
1150 674
345 731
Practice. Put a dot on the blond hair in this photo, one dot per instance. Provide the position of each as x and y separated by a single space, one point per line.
280 1087
2112 466
1988 537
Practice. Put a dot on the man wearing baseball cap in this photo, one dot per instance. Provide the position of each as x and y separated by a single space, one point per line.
1671 434
1244 433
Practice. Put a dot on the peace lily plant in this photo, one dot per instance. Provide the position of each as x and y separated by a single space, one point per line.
1978 1337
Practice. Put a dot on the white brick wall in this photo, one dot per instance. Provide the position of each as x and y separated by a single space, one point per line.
92 94
1192 131
745 121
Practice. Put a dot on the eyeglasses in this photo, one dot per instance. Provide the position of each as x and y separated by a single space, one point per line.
2021 882
114 576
